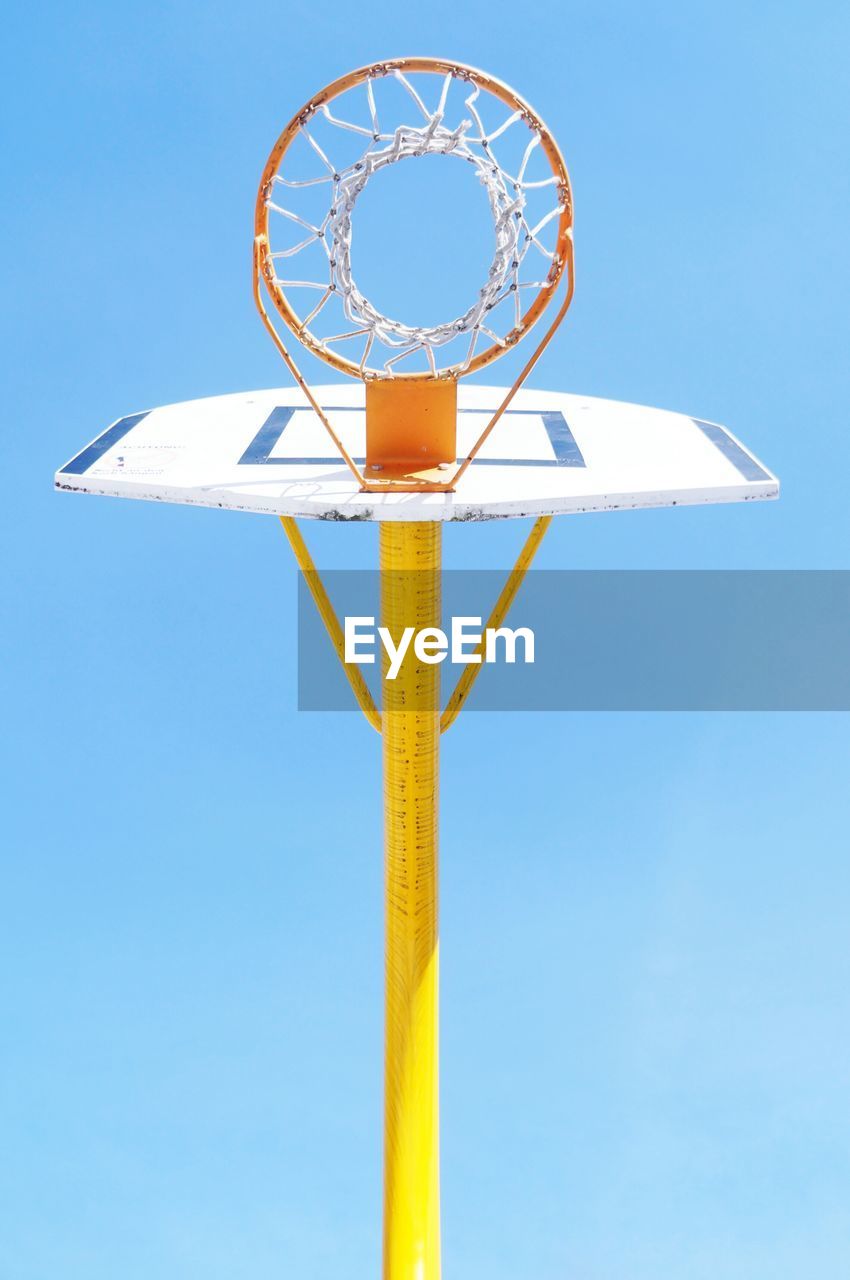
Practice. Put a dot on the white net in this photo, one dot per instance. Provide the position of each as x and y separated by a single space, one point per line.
523 263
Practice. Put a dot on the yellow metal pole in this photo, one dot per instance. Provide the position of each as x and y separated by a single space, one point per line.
410 597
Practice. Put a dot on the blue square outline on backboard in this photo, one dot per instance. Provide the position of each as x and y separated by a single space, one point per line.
565 450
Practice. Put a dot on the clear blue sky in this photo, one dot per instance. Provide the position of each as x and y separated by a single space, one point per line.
646 999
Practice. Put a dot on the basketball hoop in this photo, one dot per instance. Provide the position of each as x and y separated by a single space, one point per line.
460 114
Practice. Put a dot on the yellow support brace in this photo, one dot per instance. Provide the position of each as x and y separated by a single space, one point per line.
327 613
410 597
500 611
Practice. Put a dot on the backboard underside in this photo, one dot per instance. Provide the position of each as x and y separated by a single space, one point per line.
551 454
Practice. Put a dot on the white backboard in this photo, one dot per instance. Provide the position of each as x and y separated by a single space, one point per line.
266 451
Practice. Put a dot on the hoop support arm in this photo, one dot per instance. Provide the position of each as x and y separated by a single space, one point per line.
497 617
447 485
296 372
327 613
536 354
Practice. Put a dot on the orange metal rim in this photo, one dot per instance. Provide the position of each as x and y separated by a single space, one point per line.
562 258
